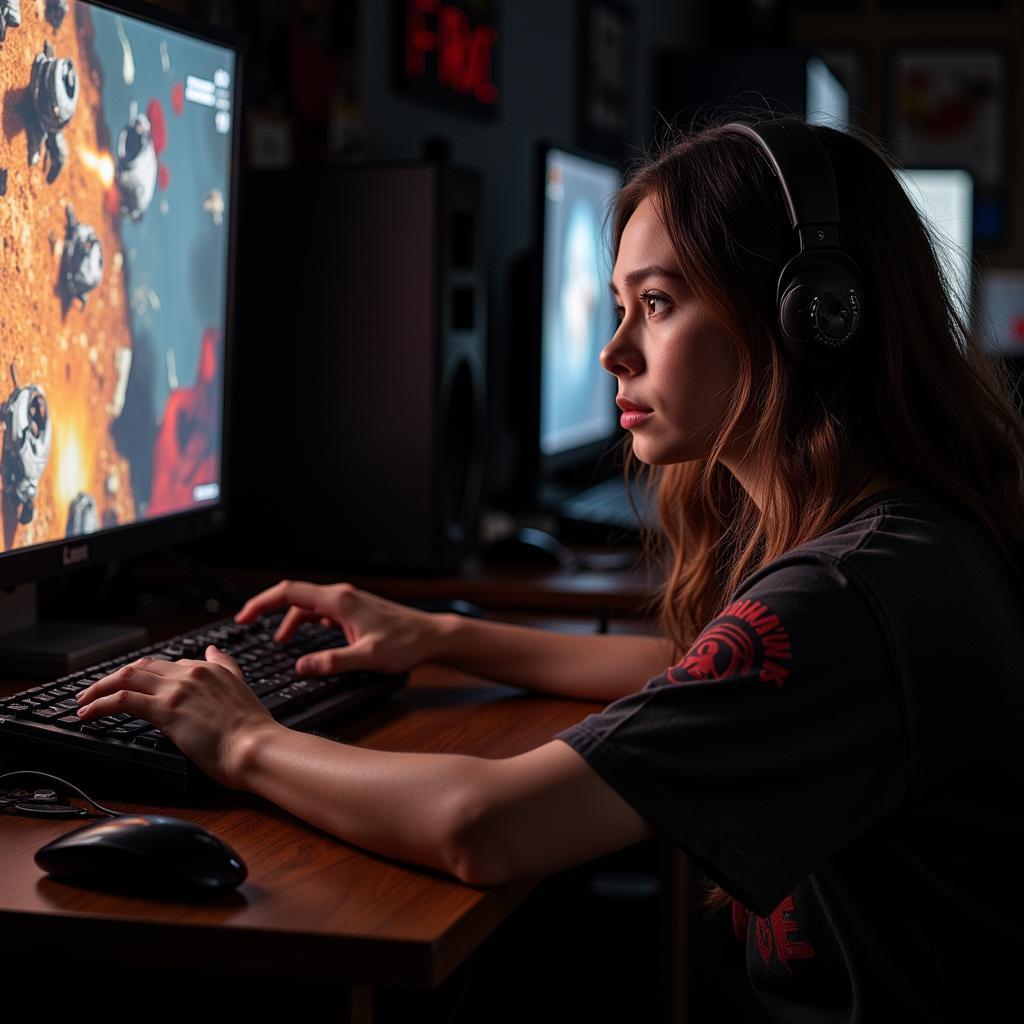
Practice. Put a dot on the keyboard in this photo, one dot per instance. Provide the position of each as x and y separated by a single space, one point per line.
604 504
40 730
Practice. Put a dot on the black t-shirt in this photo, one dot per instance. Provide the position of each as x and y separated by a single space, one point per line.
841 750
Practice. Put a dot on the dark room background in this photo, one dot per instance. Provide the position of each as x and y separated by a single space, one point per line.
324 85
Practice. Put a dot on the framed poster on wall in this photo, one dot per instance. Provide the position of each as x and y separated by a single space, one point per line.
607 66
950 107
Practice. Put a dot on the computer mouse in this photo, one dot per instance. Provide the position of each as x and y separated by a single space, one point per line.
144 853
528 547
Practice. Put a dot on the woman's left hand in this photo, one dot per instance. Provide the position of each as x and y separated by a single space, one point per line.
204 707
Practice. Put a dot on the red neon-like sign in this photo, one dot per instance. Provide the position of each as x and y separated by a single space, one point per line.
444 47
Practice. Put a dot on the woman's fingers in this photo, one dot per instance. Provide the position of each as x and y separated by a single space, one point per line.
310 596
134 703
293 618
143 676
204 707
265 601
218 657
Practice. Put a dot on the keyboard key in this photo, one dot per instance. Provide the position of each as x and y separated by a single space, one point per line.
130 729
153 739
261 687
45 714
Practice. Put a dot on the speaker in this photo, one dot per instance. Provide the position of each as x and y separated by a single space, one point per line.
357 412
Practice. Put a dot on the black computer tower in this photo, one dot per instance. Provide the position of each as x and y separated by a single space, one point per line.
357 404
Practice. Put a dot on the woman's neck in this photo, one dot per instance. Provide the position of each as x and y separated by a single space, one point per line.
881 481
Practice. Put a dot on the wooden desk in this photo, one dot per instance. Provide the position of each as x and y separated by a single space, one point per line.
313 907
344 922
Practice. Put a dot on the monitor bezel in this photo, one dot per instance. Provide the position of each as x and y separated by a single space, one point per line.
586 456
54 558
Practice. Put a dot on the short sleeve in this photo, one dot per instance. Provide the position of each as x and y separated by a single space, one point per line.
774 743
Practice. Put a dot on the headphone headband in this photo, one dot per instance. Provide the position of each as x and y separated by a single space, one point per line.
805 174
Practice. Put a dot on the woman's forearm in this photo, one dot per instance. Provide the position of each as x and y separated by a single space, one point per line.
411 807
598 666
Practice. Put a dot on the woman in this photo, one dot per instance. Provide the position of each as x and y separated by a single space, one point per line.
837 740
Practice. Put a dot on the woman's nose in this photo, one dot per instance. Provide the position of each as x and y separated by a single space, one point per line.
619 356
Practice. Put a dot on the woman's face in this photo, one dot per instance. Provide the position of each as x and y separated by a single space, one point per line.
673 360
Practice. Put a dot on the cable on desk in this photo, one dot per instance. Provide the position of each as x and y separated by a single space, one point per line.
64 782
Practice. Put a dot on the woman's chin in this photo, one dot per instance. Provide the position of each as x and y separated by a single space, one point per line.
650 453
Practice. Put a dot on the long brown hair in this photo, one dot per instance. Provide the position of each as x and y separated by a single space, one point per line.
918 399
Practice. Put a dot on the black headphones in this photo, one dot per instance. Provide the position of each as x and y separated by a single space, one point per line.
819 296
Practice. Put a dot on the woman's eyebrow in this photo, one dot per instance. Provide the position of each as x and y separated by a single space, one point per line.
634 277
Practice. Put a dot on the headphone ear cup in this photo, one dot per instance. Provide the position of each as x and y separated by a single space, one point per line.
820 308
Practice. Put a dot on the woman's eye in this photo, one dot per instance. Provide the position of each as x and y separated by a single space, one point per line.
650 301
619 312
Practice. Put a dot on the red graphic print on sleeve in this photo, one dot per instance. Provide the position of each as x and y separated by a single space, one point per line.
746 637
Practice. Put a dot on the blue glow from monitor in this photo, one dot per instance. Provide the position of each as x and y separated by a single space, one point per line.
577 395
828 102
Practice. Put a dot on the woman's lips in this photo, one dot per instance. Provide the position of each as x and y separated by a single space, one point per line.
632 414
634 418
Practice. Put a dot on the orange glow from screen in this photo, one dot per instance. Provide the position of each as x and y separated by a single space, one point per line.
73 453
101 164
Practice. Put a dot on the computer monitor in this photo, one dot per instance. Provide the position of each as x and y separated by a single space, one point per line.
828 101
578 415
699 85
120 158
945 199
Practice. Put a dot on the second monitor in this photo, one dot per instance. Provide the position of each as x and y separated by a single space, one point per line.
576 473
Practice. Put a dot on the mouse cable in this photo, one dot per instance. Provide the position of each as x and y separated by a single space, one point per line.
64 782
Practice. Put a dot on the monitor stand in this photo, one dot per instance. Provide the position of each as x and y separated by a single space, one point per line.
49 649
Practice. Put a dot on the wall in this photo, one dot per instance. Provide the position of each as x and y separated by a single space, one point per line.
537 76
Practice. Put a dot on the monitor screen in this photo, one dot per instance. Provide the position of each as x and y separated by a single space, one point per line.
577 396
828 102
945 199
117 160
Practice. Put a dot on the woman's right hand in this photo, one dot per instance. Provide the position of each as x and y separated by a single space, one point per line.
382 636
